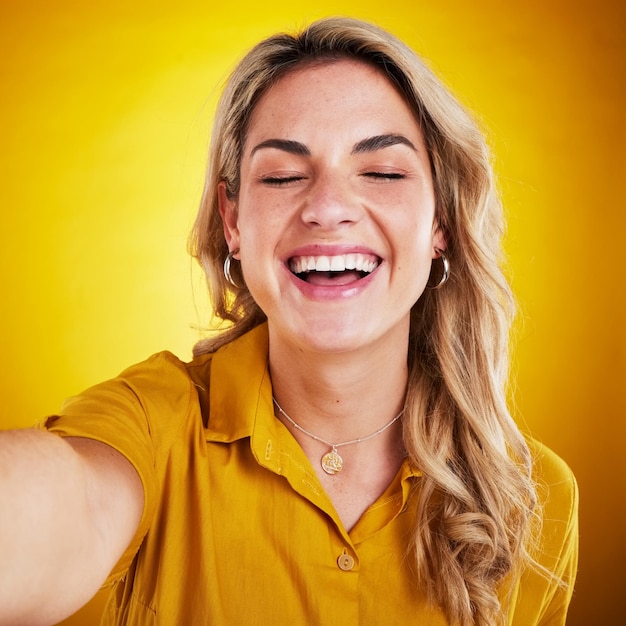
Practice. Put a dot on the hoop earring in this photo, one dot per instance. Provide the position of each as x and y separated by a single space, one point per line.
446 269
227 275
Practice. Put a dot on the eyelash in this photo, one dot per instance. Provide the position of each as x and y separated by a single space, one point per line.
278 181
385 175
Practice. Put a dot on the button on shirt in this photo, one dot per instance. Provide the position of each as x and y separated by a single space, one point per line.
237 528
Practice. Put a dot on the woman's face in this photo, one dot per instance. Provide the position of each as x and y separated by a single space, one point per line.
335 217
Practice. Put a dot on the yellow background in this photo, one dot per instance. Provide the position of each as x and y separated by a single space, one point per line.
105 116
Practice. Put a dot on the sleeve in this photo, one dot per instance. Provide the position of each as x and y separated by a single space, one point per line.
133 414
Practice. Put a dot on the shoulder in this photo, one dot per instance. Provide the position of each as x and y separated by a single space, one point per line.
161 370
557 494
160 385
139 412
555 481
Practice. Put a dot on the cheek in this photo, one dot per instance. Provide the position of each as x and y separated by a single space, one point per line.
259 211
257 242
413 232
250 222
415 250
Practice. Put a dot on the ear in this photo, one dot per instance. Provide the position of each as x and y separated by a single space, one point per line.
228 211
439 240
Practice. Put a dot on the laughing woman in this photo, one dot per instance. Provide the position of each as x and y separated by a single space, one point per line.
342 451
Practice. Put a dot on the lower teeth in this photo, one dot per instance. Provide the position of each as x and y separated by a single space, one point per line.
330 275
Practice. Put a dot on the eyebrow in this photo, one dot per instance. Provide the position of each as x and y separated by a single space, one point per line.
287 145
371 144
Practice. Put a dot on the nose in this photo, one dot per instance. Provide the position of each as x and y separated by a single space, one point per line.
331 203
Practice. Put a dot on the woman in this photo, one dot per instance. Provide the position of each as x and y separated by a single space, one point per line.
342 451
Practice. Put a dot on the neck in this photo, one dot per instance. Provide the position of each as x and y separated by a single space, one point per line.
339 396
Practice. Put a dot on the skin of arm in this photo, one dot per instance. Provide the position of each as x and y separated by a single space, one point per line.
68 509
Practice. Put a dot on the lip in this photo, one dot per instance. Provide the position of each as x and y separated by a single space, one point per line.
320 249
330 292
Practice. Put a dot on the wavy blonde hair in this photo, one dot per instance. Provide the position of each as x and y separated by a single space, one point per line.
476 498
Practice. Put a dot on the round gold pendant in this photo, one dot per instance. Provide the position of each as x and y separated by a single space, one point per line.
332 462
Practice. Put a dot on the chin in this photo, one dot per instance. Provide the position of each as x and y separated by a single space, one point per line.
326 336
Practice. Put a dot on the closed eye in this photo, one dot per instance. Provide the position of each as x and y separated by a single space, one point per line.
384 175
277 181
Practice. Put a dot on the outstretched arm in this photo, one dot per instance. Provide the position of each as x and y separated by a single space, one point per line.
68 510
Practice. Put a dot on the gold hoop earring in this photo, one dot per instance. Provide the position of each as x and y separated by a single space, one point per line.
445 269
227 275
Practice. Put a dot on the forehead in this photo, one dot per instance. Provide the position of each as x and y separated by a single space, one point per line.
329 90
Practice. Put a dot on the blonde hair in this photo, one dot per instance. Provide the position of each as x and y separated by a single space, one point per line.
476 498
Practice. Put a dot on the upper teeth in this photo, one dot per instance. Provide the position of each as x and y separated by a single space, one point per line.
340 263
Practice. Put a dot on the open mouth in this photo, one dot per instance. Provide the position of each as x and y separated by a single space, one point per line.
339 269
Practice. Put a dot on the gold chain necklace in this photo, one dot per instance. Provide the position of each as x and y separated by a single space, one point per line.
331 461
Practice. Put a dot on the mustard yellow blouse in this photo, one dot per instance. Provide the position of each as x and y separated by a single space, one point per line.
236 528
